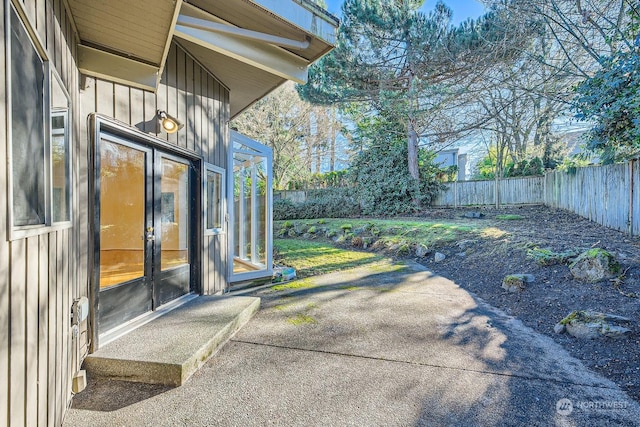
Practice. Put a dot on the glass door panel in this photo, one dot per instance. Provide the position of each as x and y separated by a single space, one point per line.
175 214
122 213
173 224
124 177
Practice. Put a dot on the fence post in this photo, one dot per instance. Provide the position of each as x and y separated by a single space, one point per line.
455 193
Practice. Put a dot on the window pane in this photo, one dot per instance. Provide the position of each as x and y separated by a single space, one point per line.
214 200
27 128
175 214
60 170
122 213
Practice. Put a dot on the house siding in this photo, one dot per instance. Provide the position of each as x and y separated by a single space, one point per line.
41 275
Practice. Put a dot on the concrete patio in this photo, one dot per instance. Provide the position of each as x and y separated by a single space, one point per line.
385 344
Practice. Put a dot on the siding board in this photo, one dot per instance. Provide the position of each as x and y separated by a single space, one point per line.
54 369
171 106
150 111
5 287
122 103
17 360
162 93
105 98
189 116
197 111
136 107
180 138
41 20
43 328
32 290
59 322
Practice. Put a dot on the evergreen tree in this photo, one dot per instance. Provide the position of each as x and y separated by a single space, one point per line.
405 63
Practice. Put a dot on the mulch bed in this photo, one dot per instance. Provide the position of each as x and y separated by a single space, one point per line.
482 264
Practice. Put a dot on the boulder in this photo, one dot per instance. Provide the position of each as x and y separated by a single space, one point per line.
583 324
422 251
594 265
516 282
473 215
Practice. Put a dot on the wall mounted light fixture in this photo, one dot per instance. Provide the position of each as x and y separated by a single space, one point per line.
169 123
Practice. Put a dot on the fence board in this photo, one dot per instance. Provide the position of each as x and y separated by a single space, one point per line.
607 194
512 191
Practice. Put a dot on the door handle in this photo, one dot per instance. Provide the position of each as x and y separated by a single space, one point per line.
150 235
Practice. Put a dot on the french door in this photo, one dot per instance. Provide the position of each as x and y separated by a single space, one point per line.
144 229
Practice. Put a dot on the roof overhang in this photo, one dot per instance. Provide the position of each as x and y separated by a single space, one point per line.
251 46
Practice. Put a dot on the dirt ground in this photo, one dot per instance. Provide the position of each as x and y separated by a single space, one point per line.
480 265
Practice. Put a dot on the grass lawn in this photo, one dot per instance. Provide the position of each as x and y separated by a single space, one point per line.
308 246
311 258
399 231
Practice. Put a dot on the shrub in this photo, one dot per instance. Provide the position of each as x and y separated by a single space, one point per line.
284 209
325 203
384 185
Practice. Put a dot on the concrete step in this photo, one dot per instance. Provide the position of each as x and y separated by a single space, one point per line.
170 348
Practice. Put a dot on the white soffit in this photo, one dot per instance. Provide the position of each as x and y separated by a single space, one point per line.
257 49
105 65
124 41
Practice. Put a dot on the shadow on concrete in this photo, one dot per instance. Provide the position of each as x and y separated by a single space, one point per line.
107 395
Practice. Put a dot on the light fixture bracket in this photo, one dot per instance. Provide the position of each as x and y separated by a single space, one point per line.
169 123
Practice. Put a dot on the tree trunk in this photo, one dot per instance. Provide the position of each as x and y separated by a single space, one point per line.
412 140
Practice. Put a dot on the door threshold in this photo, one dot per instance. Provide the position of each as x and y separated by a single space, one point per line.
120 330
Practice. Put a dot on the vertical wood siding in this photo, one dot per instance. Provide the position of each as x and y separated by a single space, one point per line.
190 93
39 275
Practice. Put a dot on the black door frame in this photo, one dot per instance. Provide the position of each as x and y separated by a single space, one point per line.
99 124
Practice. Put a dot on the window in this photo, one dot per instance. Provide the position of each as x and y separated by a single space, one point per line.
28 141
250 199
60 152
40 140
214 194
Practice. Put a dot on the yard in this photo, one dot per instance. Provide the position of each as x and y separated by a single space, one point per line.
479 252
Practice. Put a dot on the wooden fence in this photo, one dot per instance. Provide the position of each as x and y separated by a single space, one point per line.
510 191
608 195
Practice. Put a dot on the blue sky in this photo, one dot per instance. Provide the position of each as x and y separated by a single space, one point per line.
462 9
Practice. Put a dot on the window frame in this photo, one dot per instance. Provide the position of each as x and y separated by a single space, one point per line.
51 77
208 167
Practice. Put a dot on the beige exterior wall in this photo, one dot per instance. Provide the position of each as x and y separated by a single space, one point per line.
41 275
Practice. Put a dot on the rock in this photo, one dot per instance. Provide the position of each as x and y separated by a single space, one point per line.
559 328
516 282
462 244
594 265
473 215
439 257
422 251
615 331
591 324
584 331
360 230
461 254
